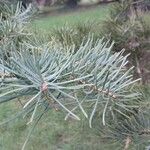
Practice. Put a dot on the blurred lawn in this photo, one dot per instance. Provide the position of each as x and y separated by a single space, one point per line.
71 18
52 133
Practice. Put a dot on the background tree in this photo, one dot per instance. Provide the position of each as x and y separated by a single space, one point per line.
129 29
71 3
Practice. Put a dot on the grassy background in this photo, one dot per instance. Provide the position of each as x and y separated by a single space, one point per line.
98 13
52 133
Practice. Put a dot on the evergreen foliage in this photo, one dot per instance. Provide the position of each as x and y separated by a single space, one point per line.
74 36
129 29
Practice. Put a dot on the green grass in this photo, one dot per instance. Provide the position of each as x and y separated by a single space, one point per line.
147 17
52 133
71 18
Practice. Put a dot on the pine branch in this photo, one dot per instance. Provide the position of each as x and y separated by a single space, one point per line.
91 67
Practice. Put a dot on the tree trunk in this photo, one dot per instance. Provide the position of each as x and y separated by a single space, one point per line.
71 3
41 2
